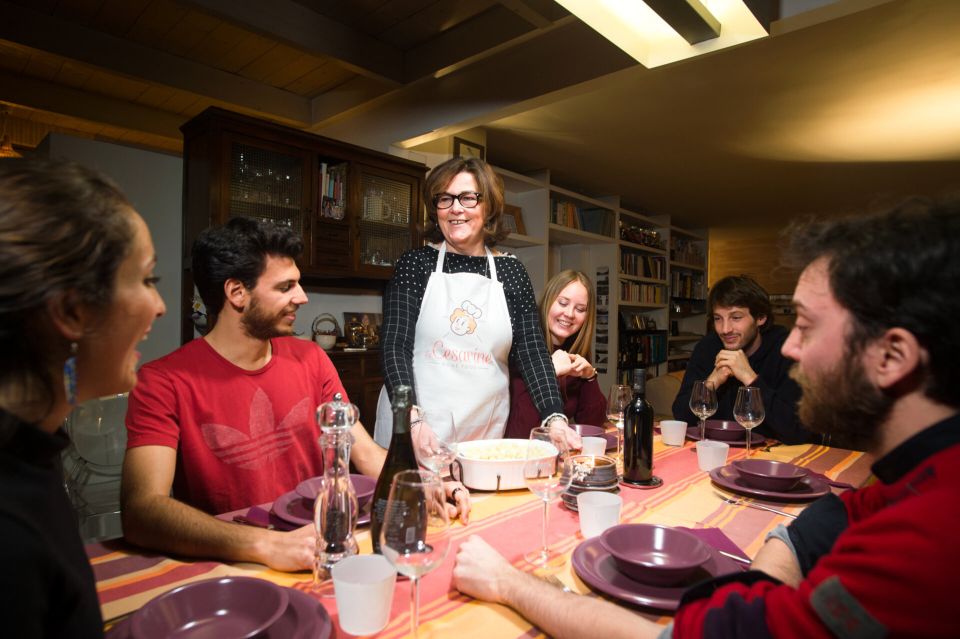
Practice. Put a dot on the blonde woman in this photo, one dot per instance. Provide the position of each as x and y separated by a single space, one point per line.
567 314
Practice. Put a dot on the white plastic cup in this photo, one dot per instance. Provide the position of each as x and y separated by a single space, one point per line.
711 454
363 587
595 446
673 432
598 511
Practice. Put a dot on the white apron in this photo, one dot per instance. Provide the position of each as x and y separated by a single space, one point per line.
461 346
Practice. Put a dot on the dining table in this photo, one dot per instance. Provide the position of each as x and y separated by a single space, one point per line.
128 577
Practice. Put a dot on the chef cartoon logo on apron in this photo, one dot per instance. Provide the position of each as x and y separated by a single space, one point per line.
462 346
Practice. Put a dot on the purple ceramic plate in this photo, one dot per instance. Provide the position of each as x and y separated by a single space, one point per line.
304 618
294 509
597 569
809 488
588 430
725 430
770 474
362 485
693 432
223 607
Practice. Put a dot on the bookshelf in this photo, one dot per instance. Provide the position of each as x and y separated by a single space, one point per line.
688 294
630 257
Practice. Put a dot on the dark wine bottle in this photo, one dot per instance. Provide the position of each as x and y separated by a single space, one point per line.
400 457
638 436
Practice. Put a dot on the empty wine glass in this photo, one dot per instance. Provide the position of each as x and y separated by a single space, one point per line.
617 402
748 410
703 403
436 442
547 471
416 530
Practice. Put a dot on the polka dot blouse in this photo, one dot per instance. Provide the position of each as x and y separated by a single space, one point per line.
401 310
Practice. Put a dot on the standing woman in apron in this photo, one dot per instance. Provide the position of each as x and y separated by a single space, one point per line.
456 315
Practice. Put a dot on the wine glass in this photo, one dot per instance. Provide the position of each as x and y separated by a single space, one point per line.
436 442
547 471
416 530
703 403
748 410
617 402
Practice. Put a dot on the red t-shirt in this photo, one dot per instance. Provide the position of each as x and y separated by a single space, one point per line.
242 437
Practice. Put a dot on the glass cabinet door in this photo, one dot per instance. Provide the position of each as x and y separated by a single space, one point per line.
266 184
386 220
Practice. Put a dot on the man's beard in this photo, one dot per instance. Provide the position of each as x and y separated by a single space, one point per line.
843 403
259 325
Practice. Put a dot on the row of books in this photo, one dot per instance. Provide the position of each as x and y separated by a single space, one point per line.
591 220
688 285
642 265
333 190
687 252
639 350
642 293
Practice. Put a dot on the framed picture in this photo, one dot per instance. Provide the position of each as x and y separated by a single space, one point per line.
513 219
370 323
467 149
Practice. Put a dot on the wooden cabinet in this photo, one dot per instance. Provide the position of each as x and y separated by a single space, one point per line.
361 373
357 209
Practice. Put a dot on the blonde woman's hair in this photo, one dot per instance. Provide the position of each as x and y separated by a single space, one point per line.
583 339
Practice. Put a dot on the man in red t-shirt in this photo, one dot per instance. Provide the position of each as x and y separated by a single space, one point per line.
876 343
228 420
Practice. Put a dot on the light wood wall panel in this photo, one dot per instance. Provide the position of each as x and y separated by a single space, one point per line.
755 252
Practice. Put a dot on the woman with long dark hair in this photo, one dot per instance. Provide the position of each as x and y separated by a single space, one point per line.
77 295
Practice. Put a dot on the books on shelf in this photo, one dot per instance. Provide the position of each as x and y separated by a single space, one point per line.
642 293
688 285
642 265
333 190
590 219
641 349
687 251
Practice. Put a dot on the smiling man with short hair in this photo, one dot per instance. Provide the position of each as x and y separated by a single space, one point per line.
744 350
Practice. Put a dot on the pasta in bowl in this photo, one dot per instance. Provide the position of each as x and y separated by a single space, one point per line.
496 464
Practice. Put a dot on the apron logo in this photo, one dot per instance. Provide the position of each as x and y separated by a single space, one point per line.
463 320
463 348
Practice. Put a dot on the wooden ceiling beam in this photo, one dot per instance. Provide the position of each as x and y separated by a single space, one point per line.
311 32
39 31
43 95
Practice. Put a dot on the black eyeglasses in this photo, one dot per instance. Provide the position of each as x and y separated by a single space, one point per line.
467 199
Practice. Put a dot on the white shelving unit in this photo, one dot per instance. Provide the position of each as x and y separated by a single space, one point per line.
549 247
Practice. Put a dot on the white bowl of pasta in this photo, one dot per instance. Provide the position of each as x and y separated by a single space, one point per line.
497 464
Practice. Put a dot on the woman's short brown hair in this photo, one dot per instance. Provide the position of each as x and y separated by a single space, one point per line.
489 185
583 339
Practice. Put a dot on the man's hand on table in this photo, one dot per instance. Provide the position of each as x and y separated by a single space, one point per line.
735 364
288 551
482 572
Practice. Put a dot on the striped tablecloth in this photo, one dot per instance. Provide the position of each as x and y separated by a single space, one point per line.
127 577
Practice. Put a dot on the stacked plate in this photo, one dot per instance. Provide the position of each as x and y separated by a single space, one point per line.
296 506
592 474
769 479
648 565
726 431
239 607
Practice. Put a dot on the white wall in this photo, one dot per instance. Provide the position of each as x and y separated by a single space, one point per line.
153 183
